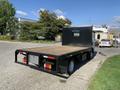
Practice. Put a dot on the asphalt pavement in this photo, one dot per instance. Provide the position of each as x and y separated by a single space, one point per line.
19 77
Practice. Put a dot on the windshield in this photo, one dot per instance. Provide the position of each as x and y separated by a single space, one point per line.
105 40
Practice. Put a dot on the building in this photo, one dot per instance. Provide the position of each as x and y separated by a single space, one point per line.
115 32
20 19
100 33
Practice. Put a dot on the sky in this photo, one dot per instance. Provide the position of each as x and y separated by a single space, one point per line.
80 12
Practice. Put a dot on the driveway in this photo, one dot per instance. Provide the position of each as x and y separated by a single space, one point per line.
19 77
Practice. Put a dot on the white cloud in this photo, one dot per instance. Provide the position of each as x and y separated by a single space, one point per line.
41 9
22 13
116 18
59 12
61 17
35 13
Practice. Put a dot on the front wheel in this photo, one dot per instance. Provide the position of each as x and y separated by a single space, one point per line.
71 67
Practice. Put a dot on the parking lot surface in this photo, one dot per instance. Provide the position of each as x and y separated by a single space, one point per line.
19 77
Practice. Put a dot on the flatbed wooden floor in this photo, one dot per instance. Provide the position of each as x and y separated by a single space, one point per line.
56 50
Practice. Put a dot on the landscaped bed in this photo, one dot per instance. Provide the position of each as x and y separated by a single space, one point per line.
108 76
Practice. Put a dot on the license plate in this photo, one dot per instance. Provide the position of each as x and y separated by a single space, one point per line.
33 59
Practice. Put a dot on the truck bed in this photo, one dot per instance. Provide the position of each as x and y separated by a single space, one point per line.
56 50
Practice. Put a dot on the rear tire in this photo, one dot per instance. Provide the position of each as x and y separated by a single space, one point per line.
91 54
71 67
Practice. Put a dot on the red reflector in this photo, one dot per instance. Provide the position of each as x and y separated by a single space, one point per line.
50 57
25 60
20 51
47 66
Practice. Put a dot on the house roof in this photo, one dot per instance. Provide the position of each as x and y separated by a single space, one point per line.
100 29
115 30
20 19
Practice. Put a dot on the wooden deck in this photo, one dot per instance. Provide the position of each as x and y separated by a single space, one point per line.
56 50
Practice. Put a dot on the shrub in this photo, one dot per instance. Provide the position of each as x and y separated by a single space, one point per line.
5 37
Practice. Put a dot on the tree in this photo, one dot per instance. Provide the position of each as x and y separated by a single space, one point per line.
12 26
104 26
7 12
25 32
50 24
29 30
61 23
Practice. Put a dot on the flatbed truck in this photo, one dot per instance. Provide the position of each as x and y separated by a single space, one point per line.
77 45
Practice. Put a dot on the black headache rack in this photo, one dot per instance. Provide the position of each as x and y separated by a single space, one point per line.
78 36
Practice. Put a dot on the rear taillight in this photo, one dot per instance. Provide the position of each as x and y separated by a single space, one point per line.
22 52
47 66
24 60
49 57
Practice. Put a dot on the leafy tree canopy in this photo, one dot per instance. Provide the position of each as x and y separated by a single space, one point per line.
7 12
50 24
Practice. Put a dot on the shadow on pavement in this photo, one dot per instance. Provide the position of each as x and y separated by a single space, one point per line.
82 63
102 54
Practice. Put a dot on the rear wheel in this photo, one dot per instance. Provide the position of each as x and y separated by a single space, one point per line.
71 67
91 54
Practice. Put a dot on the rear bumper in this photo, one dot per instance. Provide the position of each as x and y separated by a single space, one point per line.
37 62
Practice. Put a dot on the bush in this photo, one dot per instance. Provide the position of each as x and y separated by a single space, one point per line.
27 36
5 37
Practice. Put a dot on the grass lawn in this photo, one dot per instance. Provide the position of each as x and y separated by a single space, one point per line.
108 76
